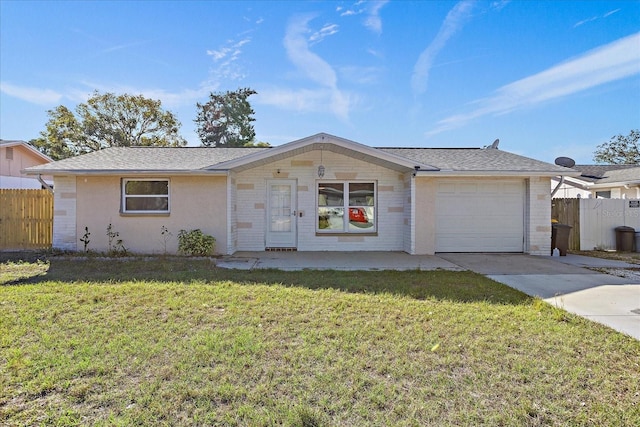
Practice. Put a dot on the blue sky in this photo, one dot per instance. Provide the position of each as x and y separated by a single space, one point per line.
549 78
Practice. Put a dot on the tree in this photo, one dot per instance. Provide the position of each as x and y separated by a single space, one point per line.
108 120
225 120
620 150
259 144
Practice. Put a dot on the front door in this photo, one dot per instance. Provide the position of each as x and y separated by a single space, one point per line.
281 213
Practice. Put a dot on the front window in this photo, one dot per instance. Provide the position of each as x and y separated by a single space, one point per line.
354 213
145 196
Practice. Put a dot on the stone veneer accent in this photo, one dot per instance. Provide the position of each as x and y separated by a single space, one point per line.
64 215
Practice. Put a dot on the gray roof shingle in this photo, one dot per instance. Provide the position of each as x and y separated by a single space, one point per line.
475 159
189 159
608 173
148 159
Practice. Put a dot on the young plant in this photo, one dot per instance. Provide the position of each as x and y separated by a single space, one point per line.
195 243
85 238
166 236
116 247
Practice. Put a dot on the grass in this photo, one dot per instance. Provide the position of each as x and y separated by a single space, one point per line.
630 257
178 342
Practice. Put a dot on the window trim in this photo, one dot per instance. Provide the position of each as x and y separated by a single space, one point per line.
373 231
124 197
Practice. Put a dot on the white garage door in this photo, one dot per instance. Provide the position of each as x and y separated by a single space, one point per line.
480 216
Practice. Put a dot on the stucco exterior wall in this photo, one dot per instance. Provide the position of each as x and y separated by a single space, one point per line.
425 219
251 193
538 216
195 202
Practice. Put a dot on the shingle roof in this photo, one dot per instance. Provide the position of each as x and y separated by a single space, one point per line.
148 159
190 159
621 175
475 159
608 173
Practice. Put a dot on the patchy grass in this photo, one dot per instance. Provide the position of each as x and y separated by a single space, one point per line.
179 342
630 257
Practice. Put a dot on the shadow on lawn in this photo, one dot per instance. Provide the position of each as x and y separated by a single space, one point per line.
461 286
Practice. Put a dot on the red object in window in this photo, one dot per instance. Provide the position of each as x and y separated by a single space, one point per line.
357 215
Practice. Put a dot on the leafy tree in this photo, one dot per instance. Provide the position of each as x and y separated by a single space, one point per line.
108 120
620 150
260 144
225 120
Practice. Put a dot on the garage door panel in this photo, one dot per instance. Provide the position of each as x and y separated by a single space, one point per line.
480 216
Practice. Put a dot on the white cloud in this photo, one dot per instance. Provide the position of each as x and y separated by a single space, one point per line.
614 61
33 95
371 8
594 18
226 58
456 18
312 65
373 20
232 47
326 31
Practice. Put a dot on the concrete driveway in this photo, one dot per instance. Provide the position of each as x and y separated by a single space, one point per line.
565 282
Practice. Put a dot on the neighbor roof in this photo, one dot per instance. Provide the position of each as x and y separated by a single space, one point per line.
13 143
608 173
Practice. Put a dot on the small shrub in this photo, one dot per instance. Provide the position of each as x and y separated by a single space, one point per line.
195 243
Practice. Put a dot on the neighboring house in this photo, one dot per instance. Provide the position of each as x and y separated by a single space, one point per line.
320 193
16 156
601 181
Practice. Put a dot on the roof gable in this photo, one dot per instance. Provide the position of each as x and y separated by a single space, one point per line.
25 146
323 141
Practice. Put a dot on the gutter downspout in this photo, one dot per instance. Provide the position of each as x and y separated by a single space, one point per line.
555 190
44 184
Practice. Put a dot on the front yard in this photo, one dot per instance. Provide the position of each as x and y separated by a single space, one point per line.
179 342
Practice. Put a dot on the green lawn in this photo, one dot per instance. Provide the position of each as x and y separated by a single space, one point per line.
178 342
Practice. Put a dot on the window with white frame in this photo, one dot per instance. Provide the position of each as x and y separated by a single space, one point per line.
346 207
145 196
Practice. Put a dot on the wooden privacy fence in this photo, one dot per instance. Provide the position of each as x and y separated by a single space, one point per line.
26 219
567 211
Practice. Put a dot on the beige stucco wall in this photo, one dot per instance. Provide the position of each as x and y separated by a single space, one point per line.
250 187
196 202
425 219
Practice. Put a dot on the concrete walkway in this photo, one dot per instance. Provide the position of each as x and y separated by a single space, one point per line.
564 282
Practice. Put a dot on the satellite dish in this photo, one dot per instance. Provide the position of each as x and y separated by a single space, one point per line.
565 162
495 144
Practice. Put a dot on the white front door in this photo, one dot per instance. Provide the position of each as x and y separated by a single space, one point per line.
281 213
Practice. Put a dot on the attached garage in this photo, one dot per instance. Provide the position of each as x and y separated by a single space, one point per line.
480 216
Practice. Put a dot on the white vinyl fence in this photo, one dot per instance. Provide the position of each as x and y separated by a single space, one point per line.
600 217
